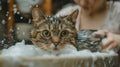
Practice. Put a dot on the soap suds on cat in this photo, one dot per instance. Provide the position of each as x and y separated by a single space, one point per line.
21 49
14 54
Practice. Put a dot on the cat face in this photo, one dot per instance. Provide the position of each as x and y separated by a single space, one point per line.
53 33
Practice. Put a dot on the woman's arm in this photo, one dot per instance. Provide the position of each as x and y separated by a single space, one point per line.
117 39
112 40
112 31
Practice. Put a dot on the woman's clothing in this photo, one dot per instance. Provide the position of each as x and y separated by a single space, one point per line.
112 22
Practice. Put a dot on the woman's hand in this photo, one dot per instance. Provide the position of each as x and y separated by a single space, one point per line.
111 40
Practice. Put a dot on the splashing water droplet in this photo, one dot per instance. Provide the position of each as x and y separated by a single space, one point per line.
21 17
15 10
23 33
3 21
36 5
18 12
18 28
9 18
29 21
0 8
14 5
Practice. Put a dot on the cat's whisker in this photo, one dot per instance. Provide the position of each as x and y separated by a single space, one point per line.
44 47
53 33
52 45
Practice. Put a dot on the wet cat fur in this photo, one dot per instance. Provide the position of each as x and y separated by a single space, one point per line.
53 33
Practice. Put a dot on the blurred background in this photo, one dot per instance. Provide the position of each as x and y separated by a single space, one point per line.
16 21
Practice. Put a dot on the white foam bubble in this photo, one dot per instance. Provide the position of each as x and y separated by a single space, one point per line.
22 49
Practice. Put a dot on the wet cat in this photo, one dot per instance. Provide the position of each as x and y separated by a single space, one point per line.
52 33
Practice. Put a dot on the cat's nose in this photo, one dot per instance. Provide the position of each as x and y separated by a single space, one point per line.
56 43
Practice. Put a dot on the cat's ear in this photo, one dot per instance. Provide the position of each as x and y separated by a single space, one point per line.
37 14
73 15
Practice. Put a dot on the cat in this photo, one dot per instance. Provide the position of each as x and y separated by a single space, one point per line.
52 33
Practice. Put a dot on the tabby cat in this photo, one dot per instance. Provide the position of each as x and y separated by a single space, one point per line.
52 33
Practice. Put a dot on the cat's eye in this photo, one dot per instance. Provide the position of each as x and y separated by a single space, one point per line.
46 33
64 33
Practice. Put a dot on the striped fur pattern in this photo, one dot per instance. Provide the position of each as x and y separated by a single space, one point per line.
53 33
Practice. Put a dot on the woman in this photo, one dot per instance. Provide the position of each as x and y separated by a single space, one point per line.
102 15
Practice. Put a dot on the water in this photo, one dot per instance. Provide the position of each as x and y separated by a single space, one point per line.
68 57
